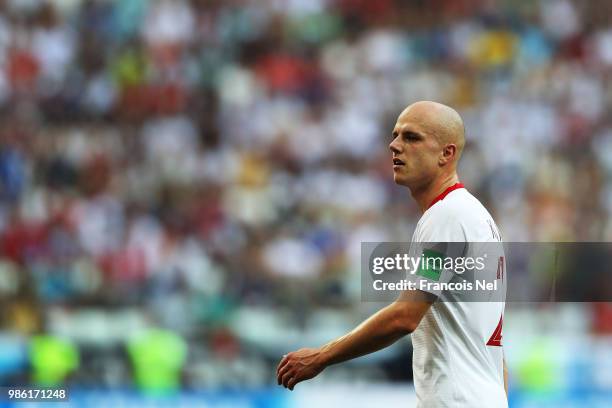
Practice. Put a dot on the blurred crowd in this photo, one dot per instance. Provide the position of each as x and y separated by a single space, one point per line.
211 167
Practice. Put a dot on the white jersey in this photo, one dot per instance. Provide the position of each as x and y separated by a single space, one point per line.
458 356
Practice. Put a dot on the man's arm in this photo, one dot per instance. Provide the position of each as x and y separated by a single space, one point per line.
505 377
377 332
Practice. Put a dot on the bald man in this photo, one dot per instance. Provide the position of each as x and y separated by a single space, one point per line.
458 359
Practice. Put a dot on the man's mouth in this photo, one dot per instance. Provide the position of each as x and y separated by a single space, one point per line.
397 162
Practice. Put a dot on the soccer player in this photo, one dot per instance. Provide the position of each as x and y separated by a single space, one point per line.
458 358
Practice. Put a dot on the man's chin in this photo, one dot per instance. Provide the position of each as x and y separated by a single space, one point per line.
399 180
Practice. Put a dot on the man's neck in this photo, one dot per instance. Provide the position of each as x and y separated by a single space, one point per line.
426 195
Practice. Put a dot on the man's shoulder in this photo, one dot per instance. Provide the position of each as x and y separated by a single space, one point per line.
459 215
458 205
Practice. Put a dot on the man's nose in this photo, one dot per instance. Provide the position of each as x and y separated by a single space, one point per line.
395 147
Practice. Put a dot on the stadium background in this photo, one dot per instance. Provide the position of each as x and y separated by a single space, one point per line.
184 186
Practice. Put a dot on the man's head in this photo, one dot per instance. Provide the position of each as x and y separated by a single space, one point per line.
428 139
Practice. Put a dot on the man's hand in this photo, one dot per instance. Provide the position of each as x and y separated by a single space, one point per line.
298 366
380 330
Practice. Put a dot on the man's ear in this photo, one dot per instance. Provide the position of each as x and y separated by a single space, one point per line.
448 153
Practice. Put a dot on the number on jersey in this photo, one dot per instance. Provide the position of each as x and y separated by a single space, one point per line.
496 337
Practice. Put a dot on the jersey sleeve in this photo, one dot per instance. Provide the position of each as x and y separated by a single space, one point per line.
438 242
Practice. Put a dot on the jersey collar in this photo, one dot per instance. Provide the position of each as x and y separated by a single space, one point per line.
445 193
